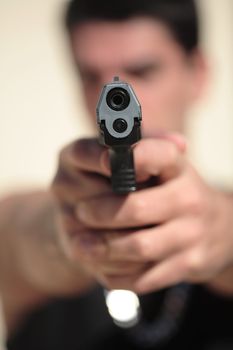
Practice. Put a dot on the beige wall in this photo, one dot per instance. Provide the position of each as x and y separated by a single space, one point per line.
40 106
211 123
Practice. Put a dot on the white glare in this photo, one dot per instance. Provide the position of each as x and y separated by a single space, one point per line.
123 306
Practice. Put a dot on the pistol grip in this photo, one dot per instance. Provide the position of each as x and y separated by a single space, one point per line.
122 166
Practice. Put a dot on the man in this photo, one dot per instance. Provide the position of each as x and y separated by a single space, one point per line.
150 240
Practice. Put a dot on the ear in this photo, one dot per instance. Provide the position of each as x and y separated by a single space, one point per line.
199 74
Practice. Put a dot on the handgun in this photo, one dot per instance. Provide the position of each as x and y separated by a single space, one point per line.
119 119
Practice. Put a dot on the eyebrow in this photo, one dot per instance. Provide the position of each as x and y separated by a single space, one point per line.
143 67
131 69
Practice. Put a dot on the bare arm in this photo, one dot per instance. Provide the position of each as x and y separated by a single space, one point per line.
32 265
223 283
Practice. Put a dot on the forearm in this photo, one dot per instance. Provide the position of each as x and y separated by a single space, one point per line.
223 282
32 266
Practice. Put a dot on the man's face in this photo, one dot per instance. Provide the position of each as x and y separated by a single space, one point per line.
142 52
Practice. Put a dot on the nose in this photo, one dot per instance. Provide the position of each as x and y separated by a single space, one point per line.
108 77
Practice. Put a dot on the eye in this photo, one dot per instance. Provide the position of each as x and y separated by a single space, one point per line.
88 77
145 71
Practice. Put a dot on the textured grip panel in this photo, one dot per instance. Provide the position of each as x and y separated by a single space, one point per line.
123 173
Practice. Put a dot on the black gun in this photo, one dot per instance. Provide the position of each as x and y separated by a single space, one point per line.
119 119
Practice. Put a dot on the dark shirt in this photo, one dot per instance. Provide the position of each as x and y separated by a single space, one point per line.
83 323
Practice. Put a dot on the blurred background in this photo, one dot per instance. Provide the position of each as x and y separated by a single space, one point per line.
41 106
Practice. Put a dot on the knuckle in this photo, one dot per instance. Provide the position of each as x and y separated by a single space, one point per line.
79 147
141 247
73 152
86 147
195 263
195 230
193 200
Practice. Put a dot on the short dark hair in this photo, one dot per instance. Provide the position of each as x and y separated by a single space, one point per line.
179 15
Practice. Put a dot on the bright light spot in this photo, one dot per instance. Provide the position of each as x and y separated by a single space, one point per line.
124 307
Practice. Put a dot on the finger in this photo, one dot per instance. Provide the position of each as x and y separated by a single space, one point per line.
158 157
84 154
146 207
169 272
70 190
153 244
